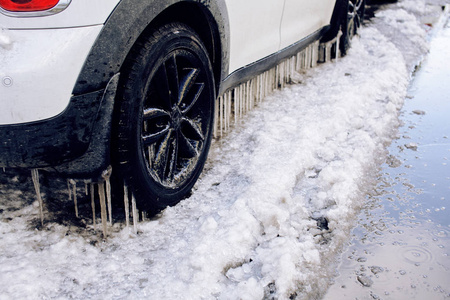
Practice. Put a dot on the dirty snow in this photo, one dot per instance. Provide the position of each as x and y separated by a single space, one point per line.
272 210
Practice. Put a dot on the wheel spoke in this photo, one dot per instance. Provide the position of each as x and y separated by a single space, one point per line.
152 138
357 22
192 130
351 9
162 156
359 13
151 113
172 79
187 150
172 164
187 82
162 86
198 91
166 82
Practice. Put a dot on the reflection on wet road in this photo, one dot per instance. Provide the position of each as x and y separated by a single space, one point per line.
400 248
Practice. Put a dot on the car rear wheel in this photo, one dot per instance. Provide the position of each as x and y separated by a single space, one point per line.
351 23
165 113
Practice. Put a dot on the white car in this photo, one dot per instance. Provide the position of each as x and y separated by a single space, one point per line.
88 84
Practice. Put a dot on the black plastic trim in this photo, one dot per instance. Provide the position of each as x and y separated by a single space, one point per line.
97 157
51 141
124 26
250 71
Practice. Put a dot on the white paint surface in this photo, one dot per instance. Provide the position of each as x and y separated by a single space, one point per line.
42 67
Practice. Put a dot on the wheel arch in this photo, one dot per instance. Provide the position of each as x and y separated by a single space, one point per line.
106 58
208 18
211 30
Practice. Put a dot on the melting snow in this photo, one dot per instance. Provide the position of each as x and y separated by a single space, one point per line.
274 206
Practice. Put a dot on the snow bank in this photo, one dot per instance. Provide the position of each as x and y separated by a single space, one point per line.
276 201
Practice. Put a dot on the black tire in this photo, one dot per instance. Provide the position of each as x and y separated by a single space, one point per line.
164 116
354 10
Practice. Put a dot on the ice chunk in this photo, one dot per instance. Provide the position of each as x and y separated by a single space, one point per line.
35 177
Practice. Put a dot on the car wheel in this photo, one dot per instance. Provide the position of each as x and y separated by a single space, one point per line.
351 23
165 114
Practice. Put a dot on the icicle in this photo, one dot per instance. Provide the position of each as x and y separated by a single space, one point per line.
294 63
73 183
226 110
230 105
101 193
221 115
338 39
239 101
135 213
261 87
94 222
257 87
328 52
249 95
265 84
35 178
239 90
236 104
243 100
108 197
126 203
244 97
277 77
251 92
314 49
273 77
216 121
69 189
106 175
308 58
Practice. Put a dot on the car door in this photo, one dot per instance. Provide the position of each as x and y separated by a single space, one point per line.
302 18
254 30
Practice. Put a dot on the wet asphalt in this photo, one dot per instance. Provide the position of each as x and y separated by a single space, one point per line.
401 245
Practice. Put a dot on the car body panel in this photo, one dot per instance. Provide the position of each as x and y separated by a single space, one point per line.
302 18
254 30
78 13
39 70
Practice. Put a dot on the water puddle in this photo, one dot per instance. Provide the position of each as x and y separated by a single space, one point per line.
401 245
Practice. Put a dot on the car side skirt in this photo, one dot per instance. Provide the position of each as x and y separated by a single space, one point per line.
250 71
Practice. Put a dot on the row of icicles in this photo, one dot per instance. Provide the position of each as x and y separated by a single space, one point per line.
105 199
236 102
230 107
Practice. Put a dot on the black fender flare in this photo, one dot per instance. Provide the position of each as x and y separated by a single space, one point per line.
121 31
